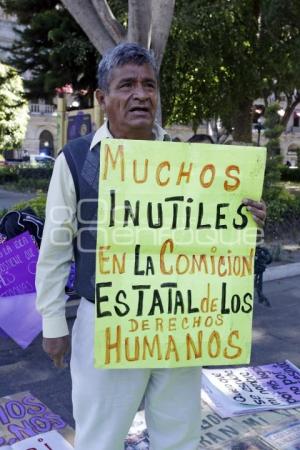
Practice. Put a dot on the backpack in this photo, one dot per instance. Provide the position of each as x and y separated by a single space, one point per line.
16 222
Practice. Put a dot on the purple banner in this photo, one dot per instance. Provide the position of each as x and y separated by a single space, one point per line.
18 258
19 318
22 416
3 335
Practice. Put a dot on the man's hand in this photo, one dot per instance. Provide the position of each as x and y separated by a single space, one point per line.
56 348
257 209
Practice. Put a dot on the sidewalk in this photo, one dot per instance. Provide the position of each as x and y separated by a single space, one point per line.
276 336
276 330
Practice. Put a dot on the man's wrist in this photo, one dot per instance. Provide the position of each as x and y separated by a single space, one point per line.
54 327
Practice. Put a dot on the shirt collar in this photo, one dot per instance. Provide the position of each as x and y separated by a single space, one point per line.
104 133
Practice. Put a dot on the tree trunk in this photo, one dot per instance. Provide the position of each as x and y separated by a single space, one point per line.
158 116
149 24
111 24
139 22
162 15
85 14
242 122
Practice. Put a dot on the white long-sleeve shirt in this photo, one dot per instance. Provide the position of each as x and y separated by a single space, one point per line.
56 252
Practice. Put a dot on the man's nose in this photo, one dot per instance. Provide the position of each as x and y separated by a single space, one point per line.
140 92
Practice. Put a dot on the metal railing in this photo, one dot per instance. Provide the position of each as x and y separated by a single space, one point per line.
41 108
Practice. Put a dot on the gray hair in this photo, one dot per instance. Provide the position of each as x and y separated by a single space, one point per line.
125 53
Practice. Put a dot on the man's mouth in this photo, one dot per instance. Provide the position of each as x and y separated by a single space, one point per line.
139 109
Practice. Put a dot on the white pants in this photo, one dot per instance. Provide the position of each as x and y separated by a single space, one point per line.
105 401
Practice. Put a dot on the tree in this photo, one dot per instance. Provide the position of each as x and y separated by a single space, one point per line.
220 56
282 206
51 47
273 130
230 52
148 23
188 78
13 109
55 49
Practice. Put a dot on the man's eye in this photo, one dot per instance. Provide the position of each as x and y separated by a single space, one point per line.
125 85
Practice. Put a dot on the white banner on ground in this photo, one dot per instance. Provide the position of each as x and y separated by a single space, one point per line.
51 440
246 390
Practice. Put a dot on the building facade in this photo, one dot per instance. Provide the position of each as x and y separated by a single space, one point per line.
42 125
41 130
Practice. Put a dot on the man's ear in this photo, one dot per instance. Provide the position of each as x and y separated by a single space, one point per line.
100 96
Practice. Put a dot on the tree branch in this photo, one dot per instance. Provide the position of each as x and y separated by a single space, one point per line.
109 21
293 101
139 22
83 11
162 14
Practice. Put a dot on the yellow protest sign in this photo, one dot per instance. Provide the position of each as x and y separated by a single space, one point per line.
175 254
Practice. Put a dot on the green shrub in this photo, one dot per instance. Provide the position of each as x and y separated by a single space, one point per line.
38 204
21 171
288 174
281 204
20 177
283 207
32 185
8 175
38 172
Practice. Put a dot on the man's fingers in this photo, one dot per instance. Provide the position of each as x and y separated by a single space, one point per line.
260 214
56 348
257 209
252 203
258 220
59 362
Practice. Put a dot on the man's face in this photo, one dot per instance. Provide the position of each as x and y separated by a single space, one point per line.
131 101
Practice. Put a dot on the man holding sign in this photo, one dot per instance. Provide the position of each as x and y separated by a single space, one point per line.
105 401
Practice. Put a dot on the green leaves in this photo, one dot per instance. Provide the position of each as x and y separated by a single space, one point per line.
242 50
13 109
52 46
221 55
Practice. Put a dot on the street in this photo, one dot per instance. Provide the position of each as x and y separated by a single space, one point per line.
10 198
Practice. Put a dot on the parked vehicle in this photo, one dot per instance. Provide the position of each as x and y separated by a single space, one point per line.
41 158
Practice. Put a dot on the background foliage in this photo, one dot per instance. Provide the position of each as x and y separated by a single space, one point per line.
13 109
23 178
53 48
221 55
